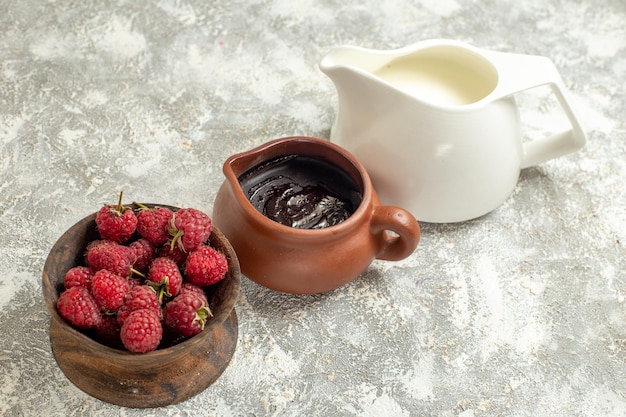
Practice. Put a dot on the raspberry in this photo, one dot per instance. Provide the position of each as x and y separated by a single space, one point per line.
173 252
190 228
108 332
165 277
152 223
109 290
186 314
145 252
110 255
79 276
134 282
142 296
188 288
205 266
77 306
116 222
141 331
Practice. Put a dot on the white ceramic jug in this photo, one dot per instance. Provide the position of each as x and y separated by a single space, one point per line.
436 124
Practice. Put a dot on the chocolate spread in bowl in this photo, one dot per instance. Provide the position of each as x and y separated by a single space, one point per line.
304 192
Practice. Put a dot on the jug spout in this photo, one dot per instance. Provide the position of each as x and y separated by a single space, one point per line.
352 71
365 102
352 58
349 68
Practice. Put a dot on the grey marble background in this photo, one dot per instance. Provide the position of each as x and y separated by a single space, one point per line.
519 313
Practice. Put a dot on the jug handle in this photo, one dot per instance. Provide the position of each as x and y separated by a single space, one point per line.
405 227
517 73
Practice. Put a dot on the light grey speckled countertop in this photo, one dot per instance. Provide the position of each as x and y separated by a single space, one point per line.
519 313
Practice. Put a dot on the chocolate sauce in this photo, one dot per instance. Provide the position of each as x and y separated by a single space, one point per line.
304 192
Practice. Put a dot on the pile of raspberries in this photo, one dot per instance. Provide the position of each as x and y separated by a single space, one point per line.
142 285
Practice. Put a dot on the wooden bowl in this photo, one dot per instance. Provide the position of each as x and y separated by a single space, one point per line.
158 378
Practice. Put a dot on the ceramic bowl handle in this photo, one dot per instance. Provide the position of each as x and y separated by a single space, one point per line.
405 232
522 72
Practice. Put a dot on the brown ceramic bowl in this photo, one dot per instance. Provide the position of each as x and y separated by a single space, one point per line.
158 378
308 261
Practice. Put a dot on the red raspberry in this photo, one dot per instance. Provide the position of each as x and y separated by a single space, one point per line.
142 296
79 276
108 332
173 252
77 306
109 290
205 266
152 223
186 314
165 277
134 282
109 255
141 331
145 252
189 288
116 222
190 228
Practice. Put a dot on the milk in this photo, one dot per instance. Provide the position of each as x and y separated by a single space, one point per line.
437 81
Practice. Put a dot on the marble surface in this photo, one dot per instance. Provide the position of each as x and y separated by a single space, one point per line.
519 313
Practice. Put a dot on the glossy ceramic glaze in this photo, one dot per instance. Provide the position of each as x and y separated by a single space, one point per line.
436 124
154 379
303 260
